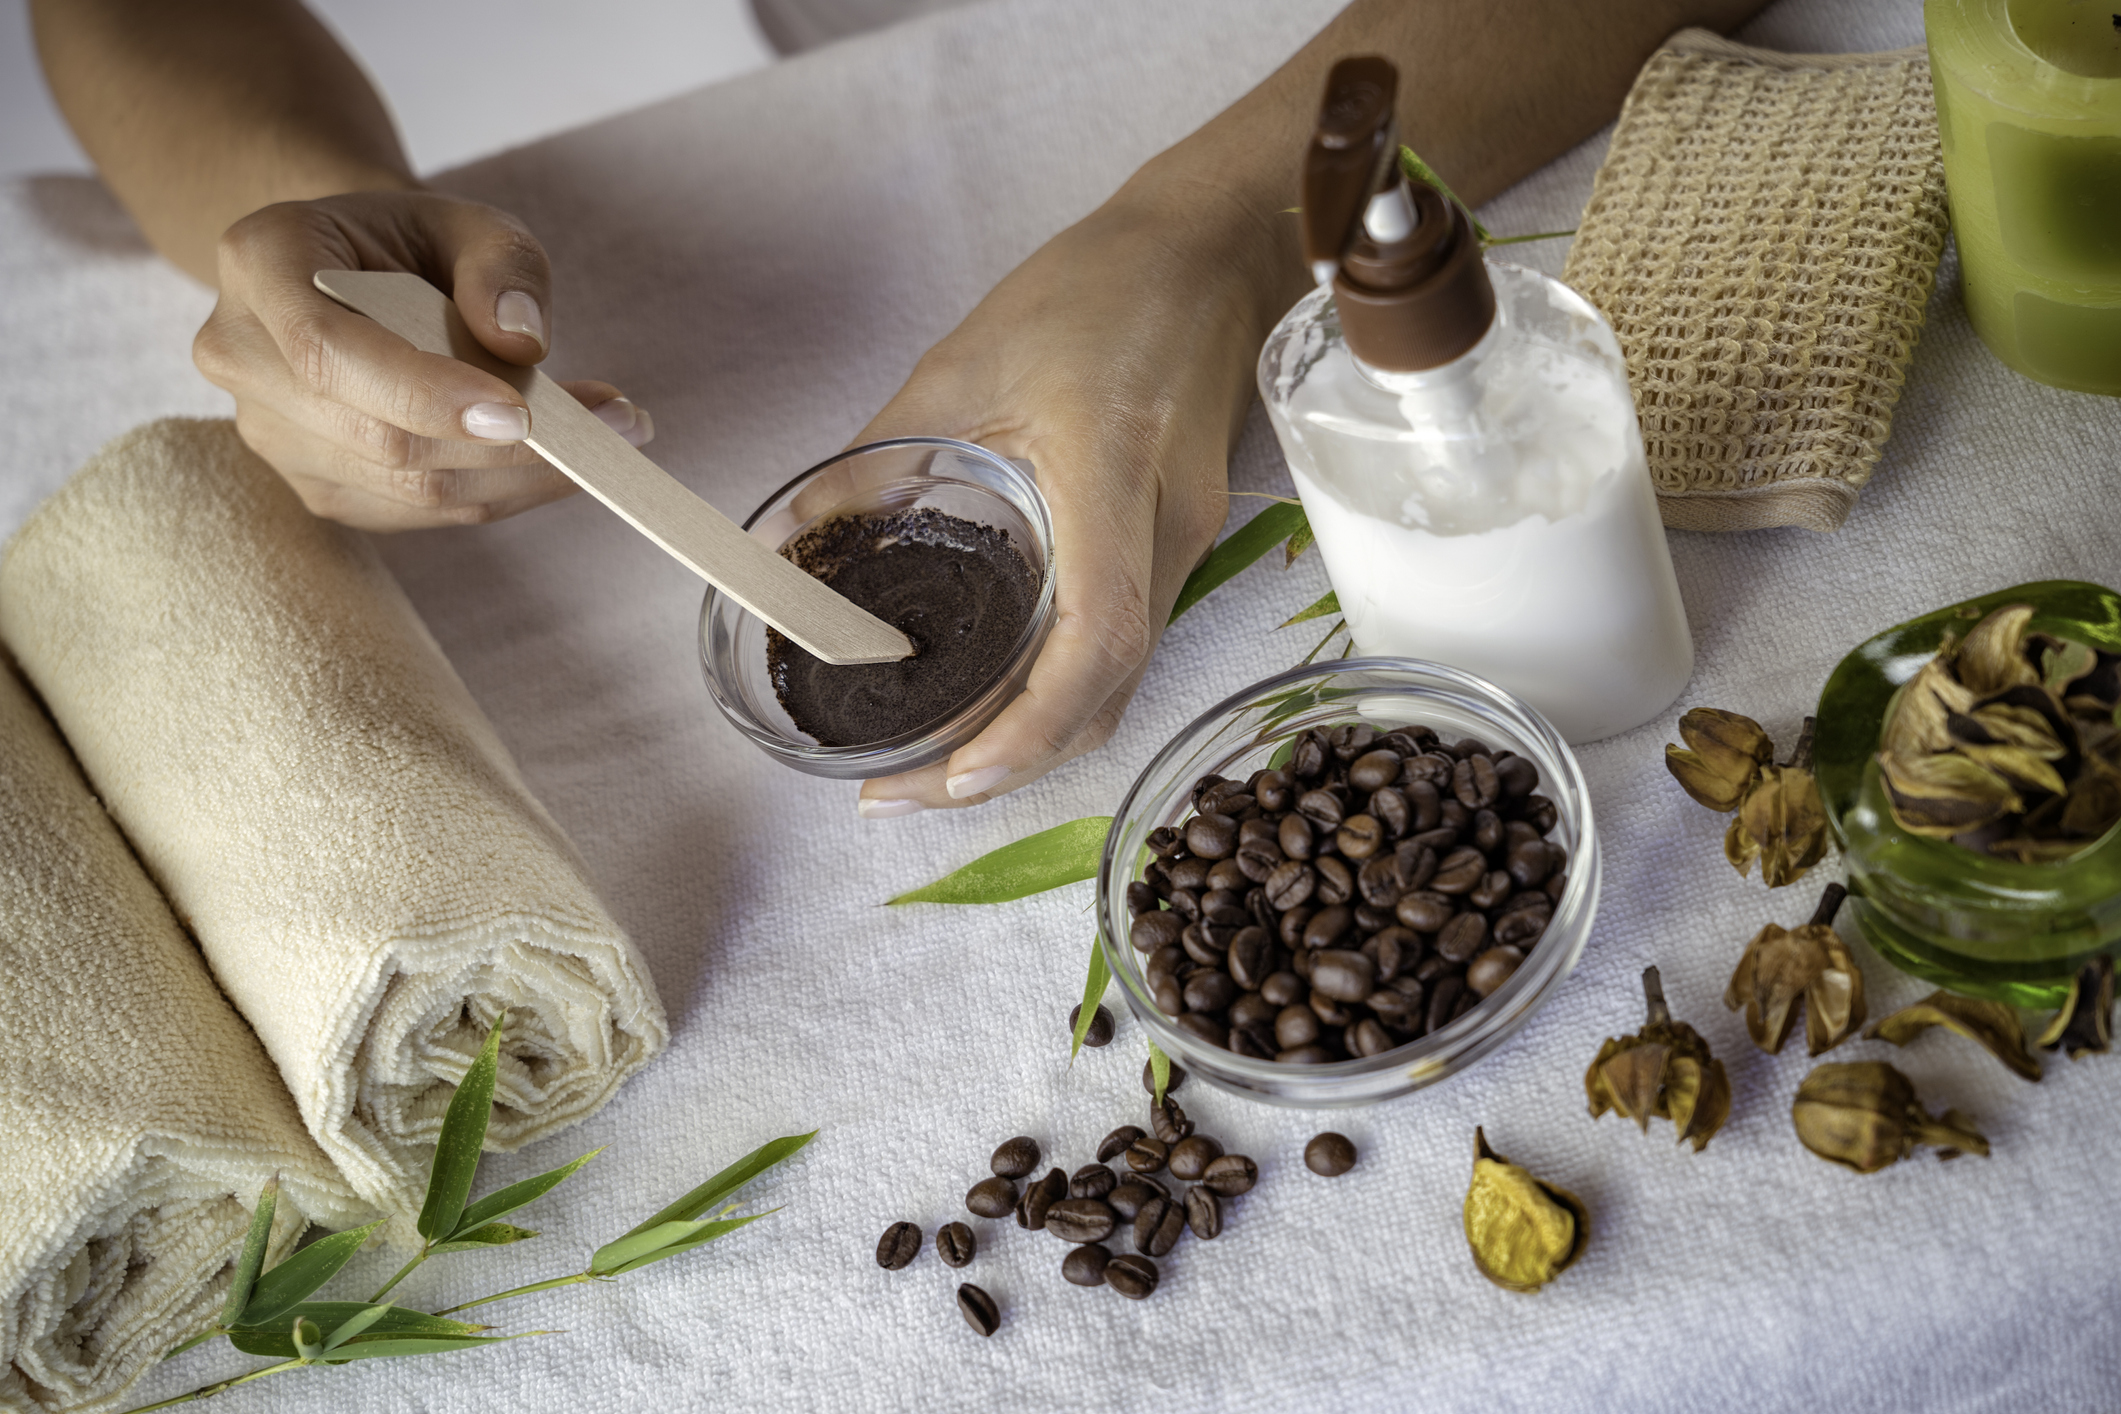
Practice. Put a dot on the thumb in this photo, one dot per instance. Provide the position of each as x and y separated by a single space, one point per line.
500 280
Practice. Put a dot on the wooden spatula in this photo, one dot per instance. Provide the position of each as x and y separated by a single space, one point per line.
652 501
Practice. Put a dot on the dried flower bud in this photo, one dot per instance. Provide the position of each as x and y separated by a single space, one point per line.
1812 962
2086 1021
1665 1070
1991 1025
1523 1232
1918 721
1727 752
1992 657
1945 795
1864 1115
1782 823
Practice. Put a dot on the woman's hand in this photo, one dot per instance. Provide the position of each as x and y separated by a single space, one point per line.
1118 360
366 428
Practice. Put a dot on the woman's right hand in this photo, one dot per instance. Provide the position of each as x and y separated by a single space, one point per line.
367 429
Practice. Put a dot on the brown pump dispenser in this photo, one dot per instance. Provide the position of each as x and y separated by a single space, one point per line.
1420 298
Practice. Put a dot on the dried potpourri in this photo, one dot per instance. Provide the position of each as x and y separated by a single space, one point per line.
1809 962
1864 1115
1523 1232
2007 742
1728 764
1991 1025
2086 1021
1664 1070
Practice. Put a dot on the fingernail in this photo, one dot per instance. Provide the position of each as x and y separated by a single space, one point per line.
886 809
973 782
497 422
518 313
622 417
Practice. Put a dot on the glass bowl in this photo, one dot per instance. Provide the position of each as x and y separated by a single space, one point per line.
1970 922
905 473
1238 736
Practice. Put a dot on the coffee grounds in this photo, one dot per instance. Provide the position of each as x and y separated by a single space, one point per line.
959 590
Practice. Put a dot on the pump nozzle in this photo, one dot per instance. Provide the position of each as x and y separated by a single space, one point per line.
1354 155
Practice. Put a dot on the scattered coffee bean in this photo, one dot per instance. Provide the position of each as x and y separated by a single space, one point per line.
1231 1175
1191 1156
1178 1078
955 1244
1100 1030
1157 1226
1329 1155
1147 1154
1015 1158
900 1244
1115 1144
978 1309
992 1198
1131 1276
1204 1213
1038 1198
1128 1197
1085 1266
1493 968
1092 1181
1169 1121
1081 1220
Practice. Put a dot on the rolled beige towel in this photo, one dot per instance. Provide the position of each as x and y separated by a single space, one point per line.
322 802
138 1115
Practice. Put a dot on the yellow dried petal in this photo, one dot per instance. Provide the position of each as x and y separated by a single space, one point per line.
1833 1002
1993 1026
1992 657
1632 1076
1945 795
1785 820
1724 752
1523 1233
2020 766
1916 718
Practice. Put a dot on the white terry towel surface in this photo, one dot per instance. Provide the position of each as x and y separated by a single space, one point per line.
138 1116
324 805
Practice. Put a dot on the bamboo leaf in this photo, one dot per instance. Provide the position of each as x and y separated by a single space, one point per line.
1337 627
1300 540
702 1234
1421 171
395 1320
1065 854
463 1136
1159 1072
1257 536
371 1346
1330 604
502 1202
308 1338
253 1257
360 1322
725 1183
1093 993
281 1288
1535 236
486 1235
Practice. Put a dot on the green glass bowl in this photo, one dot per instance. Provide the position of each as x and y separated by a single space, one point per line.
1967 921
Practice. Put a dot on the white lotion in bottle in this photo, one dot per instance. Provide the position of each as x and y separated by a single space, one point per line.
1465 445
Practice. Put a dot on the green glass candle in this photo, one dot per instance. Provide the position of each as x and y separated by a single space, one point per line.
1968 921
2029 113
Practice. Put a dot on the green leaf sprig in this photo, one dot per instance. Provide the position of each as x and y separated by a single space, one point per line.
269 1312
1065 854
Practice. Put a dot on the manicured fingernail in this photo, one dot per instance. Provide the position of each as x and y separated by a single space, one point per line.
973 782
622 417
497 422
518 313
886 809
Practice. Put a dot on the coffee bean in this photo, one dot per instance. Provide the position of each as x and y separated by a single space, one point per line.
1424 912
1378 882
1251 1008
1336 881
1518 776
1487 832
1168 1121
1190 875
1444 996
1224 907
1291 884
1295 1026
1521 927
1231 1175
1191 1156
991 1198
1255 1040
1327 927
1015 1158
1373 770
1408 741
1528 863
1454 816
1195 942
1085 1266
1204 1213
1474 782
1367 1038
1142 898
1330 1010
1431 768
1490 891
1131 1276
1147 1154
1178 1078
1461 938
1370 920
1329 1155
1081 1220
1151 931
1351 740
1321 807
1291 928
1394 1007
1092 1181
1541 814
900 1244
1165 841
978 1309
1492 968
1393 950
1038 1198
1424 806
1556 885
1391 811
1100 1030
1127 1199
955 1244
1201 1026
1115 1144
1210 991
1272 790
1157 1226
1305 1055
1343 975
1468 746
1282 988
1359 836
1166 992
1459 871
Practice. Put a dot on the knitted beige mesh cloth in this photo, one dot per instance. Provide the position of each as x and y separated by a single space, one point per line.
1763 235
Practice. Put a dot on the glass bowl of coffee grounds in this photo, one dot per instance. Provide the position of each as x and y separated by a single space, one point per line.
1349 881
947 542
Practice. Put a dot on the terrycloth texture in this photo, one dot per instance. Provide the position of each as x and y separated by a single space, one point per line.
1764 234
138 1116
761 263
324 805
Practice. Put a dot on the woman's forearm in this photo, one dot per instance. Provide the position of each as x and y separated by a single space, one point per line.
198 112
1489 92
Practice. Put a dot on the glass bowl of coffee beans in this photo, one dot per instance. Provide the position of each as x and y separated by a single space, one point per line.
1349 881
946 541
